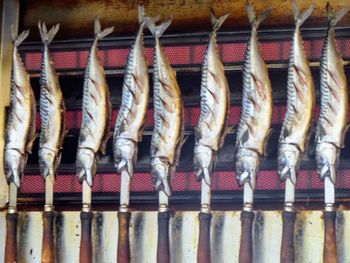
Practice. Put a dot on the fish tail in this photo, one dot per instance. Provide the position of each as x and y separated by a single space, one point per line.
47 36
254 20
17 40
99 33
300 18
333 18
217 22
159 30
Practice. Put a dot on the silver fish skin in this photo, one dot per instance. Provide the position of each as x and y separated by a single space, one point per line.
332 122
95 128
135 98
167 137
211 129
255 121
20 127
52 108
301 101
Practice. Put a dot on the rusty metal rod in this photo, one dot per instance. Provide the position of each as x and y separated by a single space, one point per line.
246 246
203 252
11 237
123 254
85 241
287 247
330 241
48 245
163 248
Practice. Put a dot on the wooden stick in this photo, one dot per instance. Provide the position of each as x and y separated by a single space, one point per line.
330 241
123 254
203 252
48 247
85 241
246 247
11 238
287 247
163 249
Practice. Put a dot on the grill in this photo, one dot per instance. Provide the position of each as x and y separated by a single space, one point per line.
186 55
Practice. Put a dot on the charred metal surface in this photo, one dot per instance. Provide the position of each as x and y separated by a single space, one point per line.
225 233
76 16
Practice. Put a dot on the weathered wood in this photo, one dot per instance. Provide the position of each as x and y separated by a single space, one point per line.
76 16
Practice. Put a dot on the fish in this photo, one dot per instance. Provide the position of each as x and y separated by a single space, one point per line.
212 126
168 132
301 100
95 128
135 98
255 121
332 122
20 127
52 108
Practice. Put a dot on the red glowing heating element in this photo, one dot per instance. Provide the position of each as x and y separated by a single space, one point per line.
231 53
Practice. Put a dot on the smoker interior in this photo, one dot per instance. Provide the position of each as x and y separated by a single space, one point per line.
186 54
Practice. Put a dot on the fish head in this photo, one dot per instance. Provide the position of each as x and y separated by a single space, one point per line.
288 161
47 161
125 155
203 161
15 162
327 160
247 166
162 173
86 165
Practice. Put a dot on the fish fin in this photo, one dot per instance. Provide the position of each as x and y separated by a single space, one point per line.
17 40
104 142
254 20
157 31
47 36
141 15
333 18
30 142
217 22
299 19
99 33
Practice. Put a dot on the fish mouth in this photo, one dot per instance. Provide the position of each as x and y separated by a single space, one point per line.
162 173
125 155
86 165
247 166
288 162
327 160
204 162
14 166
47 161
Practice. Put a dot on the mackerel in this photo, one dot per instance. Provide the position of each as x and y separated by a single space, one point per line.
168 130
20 127
254 127
52 113
332 122
301 101
95 128
211 129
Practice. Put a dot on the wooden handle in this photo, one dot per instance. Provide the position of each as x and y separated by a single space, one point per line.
123 255
246 247
48 247
11 238
163 249
203 252
330 241
85 241
287 247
